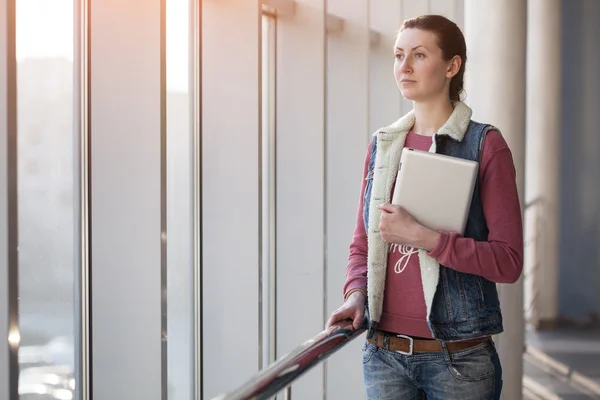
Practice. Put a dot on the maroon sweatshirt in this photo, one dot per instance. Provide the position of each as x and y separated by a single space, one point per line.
500 259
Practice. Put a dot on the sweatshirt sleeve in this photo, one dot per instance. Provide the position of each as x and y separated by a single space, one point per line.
356 270
500 258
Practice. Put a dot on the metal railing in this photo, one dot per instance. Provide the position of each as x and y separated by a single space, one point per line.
279 375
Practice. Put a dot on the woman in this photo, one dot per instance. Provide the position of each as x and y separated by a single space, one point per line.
432 311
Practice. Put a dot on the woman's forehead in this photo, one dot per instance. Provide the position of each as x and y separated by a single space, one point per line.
411 38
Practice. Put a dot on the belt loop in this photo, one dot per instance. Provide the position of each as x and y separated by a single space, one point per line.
371 331
447 357
371 325
386 341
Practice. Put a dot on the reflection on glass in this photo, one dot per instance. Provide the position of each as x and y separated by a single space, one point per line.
179 204
45 188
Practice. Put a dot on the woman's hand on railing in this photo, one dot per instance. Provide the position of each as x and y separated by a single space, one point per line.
353 309
346 324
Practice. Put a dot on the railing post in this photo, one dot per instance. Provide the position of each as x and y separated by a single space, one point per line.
287 393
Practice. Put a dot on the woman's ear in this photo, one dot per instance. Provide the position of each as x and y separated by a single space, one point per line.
453 67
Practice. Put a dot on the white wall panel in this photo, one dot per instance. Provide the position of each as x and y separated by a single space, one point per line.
300 184
447 8
459 13
126 203
385 16
385 97
230 193
414 8
346 145
384 94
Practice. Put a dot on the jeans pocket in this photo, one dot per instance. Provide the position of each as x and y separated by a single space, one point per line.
474 364
367 352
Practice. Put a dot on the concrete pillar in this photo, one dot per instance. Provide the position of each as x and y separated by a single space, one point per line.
496 34
543 157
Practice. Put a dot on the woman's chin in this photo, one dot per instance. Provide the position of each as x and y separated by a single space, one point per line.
408 95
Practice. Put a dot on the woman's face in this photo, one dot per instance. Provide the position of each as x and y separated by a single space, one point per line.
420 71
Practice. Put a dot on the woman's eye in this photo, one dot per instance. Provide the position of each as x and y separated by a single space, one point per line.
399 56
420 55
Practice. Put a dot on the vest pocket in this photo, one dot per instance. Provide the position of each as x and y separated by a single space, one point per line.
473 292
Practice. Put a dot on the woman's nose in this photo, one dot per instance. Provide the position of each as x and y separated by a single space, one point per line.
405 65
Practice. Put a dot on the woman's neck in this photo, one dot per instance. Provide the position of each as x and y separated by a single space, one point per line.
431 116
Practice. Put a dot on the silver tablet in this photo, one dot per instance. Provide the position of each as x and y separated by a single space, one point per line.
436 189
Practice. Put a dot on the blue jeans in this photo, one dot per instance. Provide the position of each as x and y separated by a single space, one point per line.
471 374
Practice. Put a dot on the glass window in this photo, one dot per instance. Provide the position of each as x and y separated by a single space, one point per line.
45 47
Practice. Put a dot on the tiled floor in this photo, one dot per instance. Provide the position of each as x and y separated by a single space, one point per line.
562 364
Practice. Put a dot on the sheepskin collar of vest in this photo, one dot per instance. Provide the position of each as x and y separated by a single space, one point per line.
455 127
390 142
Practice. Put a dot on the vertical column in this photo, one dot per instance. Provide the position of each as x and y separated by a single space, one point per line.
300 175
580 146
347 129
195 104
128 229
81 214
543 155
495 86
231 162
9 329
591 102
580 300
182 185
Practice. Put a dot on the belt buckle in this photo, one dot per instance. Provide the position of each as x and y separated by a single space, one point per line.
411 345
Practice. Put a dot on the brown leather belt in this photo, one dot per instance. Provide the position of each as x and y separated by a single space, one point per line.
407 345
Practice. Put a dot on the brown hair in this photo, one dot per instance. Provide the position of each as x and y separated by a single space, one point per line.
450 39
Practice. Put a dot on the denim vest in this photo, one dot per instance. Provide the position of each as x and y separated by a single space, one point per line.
465 306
